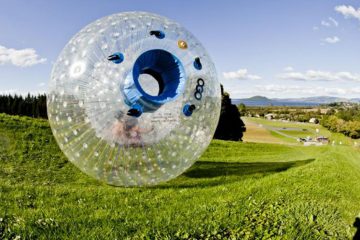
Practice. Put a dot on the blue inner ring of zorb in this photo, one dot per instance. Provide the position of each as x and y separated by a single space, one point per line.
166 69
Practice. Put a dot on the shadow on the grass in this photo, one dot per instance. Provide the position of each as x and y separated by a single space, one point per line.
217 169
357 226
205 174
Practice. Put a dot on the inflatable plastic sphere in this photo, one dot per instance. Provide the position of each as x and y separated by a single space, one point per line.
133 99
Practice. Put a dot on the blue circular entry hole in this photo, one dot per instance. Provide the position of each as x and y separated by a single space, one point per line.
164 68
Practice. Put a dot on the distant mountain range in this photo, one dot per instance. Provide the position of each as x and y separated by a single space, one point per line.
310 101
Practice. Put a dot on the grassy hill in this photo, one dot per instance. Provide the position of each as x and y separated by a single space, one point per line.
236 190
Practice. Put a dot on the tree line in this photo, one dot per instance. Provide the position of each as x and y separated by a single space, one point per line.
230 126
343 120
30 105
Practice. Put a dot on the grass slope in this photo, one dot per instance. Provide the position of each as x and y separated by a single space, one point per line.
236 190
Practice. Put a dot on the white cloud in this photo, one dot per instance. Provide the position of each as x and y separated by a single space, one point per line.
283 91
334 22
20 57
331 22
315 28
332 40
289 69
313 75
348 11
325 23
9 92
241 74
304 90
42 84
20 92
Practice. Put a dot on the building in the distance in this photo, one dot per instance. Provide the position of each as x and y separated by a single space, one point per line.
314 120
323 139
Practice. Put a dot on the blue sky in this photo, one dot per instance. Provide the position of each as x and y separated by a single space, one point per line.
271 48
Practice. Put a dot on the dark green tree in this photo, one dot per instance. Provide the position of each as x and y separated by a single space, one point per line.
230 126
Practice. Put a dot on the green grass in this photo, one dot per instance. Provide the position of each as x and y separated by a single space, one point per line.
281 124
235 191
285 139
302 134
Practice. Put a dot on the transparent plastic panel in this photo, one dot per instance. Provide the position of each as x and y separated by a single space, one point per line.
89 101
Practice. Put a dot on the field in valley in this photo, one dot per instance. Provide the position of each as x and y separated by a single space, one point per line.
275 131
268 187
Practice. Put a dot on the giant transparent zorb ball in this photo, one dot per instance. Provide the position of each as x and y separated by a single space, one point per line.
133 99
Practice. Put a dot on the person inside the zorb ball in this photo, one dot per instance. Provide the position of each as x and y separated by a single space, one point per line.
128 129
